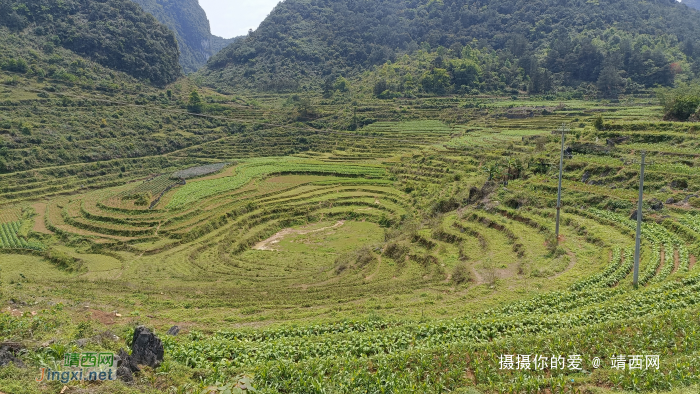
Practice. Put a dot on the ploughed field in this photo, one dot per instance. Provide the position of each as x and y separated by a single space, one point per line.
404 256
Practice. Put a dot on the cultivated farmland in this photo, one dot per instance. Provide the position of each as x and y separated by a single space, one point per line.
403 256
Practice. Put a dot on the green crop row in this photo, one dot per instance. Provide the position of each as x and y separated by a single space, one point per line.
322 345
196 191
10 239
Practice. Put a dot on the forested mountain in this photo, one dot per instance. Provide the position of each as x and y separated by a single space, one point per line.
191 26
114 33
537 45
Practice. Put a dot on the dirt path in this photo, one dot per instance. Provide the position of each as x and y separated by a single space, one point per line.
693 260
39 225
572 263
478 279
676 261
275 239
663 262
379 264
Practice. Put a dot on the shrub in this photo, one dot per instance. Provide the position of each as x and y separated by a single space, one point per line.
679 103
694 202
598 123
683 107
140 199
461 274
63 261
553 246
364 256
195 104
359 258
396 251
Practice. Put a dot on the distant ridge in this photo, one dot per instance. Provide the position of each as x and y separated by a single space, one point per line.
189 22
117 34
304 43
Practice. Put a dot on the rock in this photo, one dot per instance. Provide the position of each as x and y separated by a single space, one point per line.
569 153
633 215
7 355
47 343
475 194
13 347
679 184
174 330
82 342
586 177
127 366
671 200
124 374
656 204
146 348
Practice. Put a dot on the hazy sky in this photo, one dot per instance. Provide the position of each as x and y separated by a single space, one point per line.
230 18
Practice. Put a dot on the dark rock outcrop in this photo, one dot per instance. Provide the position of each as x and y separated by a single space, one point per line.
146 348
656 204
174 330
127 367
7 355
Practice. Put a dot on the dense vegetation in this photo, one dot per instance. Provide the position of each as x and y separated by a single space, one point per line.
419 244
539 46
392 232
116 34
191 26
681 103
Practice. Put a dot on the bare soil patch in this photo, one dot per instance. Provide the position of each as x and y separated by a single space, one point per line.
676 261
269 243
103 317
39 224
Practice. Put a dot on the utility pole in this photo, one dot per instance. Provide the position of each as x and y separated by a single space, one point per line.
561 173
639 224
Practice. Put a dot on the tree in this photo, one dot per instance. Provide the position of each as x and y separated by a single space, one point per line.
195 104
679 103
610 83
341 84
540 81
598 123
465 74
436 81
380 87
493 170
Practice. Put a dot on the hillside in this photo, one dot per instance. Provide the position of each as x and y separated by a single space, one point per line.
191 26
558 43
394 228
116 34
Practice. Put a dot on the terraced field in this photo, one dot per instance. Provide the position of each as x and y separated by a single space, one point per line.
403 256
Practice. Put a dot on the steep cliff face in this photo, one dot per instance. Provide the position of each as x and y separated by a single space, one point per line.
191 26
